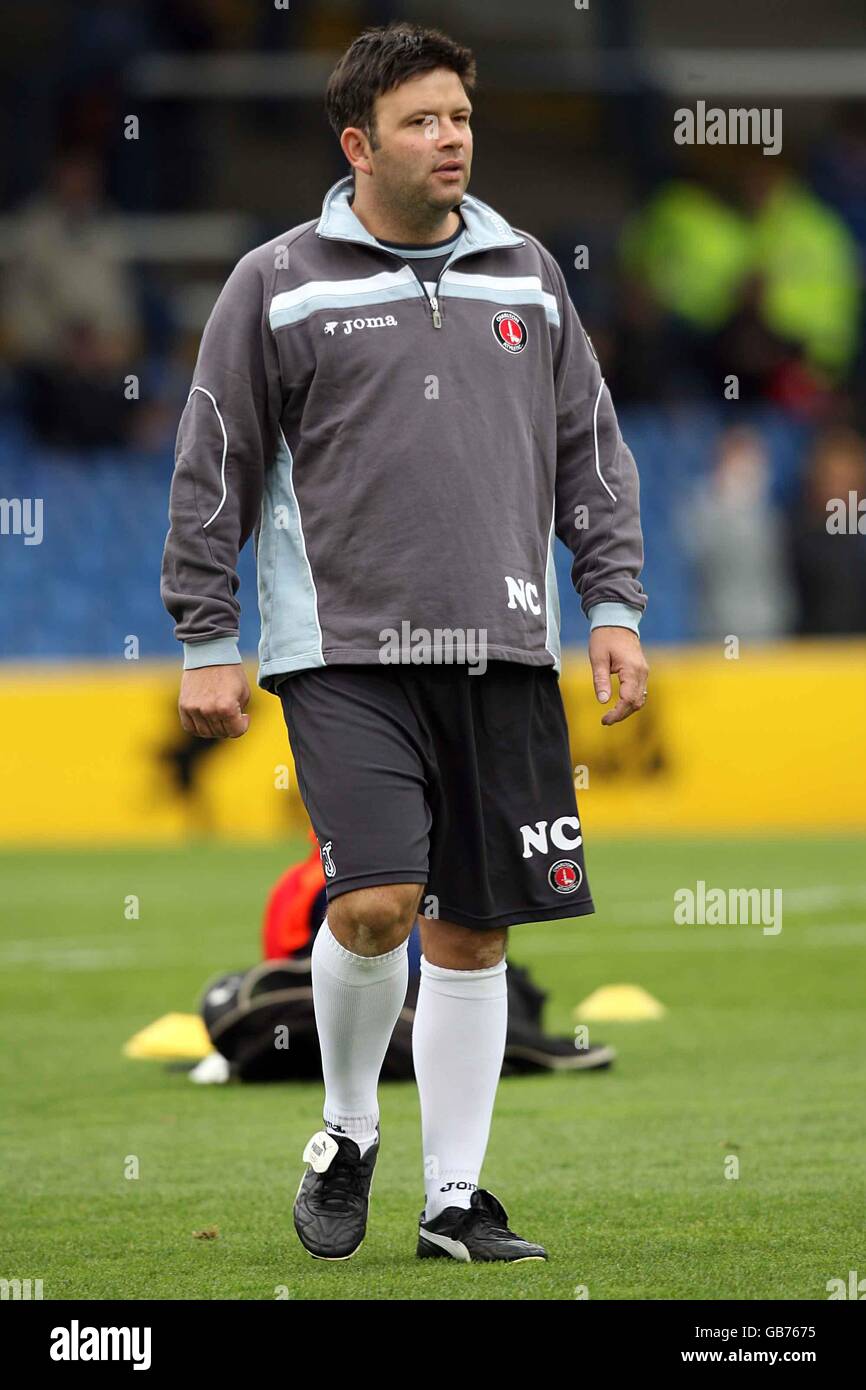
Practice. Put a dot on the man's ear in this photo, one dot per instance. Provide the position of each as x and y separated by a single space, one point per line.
355 145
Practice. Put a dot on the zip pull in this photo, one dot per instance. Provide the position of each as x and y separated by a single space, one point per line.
437 317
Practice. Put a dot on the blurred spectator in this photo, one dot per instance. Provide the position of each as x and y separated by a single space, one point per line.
807 262
690 251
735 536
641 354
70 318
768 366
768 291
839 170
829 564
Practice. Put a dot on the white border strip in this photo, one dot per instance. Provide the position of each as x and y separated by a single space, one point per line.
297 502
512 285
349 291
595 440
225 451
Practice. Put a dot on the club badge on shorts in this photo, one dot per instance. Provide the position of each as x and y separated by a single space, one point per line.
509 330
565 876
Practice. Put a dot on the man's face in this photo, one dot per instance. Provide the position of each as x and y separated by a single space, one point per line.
424 143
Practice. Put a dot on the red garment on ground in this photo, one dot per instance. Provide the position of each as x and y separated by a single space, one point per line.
286 927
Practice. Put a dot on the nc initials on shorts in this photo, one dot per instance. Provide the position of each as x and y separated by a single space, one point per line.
536 837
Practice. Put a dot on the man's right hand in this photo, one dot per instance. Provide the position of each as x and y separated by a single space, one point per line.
212 701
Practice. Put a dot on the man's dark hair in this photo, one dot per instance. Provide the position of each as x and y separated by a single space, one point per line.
379 60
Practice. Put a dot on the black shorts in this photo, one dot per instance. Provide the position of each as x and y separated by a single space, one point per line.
435 776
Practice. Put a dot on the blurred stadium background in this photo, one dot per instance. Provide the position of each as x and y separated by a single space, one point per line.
146 147
700 263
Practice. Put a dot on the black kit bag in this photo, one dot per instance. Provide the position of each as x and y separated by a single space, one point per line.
262 1021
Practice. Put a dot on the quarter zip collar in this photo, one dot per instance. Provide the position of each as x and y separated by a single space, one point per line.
483 230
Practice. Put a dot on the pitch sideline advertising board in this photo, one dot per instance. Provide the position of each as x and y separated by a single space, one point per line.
773 739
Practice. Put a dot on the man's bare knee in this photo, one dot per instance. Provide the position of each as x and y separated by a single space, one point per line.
461 948
371 921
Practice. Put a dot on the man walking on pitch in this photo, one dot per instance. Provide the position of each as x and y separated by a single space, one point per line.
399 400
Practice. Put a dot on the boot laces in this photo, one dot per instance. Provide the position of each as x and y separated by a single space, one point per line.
342 1181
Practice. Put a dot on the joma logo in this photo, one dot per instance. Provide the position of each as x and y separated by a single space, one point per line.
388 321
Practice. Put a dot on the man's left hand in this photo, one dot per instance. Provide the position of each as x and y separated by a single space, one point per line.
616 651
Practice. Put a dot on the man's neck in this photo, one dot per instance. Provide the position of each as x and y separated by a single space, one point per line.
386 225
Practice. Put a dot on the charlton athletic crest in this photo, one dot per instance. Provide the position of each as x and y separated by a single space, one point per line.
509 330
565 876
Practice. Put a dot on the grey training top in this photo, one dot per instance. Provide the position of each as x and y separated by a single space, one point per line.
403 452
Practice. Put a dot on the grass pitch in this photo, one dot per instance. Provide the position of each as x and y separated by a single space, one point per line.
762 1056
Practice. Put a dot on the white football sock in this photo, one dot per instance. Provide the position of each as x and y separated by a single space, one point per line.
458 1041
357 1001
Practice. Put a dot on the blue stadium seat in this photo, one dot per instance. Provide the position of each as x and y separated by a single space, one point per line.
95 577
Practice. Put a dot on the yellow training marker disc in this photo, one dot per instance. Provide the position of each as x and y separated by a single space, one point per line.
174 1037
618 1004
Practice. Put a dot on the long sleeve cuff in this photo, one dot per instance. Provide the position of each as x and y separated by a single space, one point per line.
218 651
614 615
